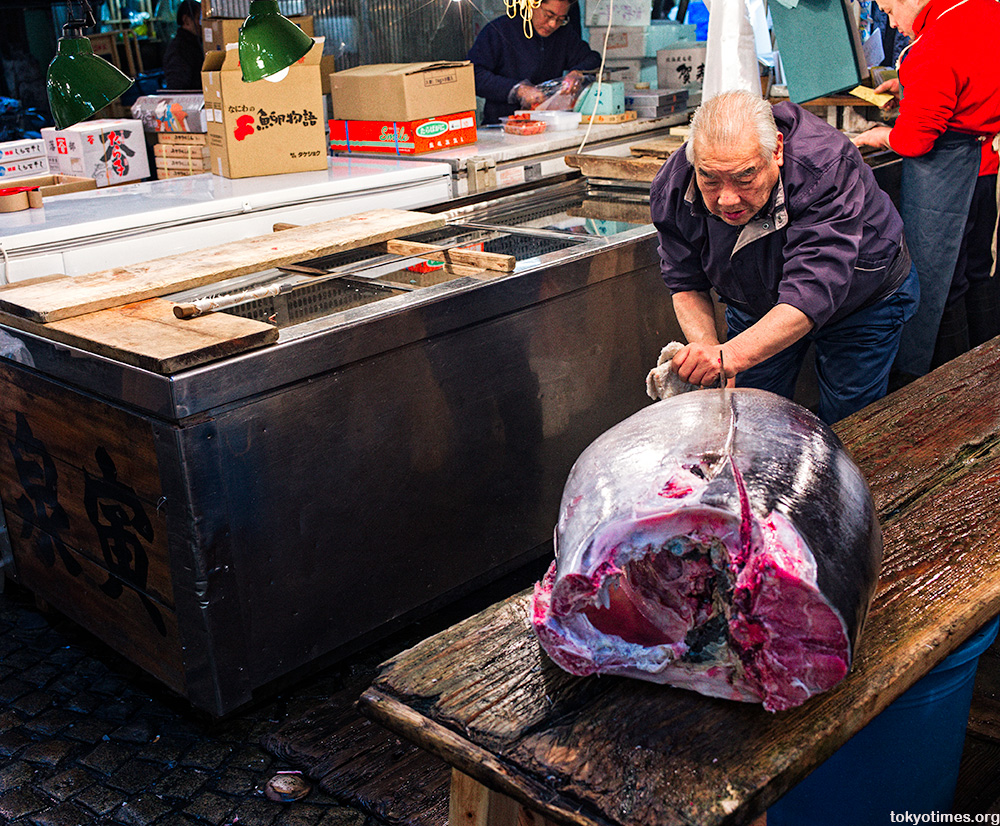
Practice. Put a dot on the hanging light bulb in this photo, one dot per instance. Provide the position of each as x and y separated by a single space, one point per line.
269 42
78 82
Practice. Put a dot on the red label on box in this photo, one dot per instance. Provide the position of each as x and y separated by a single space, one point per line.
403 138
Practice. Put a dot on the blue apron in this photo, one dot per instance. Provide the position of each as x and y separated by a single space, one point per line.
935 195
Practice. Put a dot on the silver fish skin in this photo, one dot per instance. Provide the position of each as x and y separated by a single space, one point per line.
720 541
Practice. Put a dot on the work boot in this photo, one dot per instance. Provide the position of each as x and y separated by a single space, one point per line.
982 308
953 335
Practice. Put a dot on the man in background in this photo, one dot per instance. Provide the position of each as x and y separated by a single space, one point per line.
185 53
509 64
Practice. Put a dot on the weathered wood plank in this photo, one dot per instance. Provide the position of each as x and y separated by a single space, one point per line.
454 255
484 696
606 166
473 804
146 334
115 287
632 213
657 147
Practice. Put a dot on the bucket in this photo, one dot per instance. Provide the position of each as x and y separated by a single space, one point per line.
905 760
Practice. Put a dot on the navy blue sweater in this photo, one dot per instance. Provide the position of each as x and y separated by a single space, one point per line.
503 57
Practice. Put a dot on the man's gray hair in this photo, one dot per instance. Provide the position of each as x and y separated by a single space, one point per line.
724 120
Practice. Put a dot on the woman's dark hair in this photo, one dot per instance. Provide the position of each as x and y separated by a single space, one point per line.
188 8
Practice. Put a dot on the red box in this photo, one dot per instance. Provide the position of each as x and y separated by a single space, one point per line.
403 137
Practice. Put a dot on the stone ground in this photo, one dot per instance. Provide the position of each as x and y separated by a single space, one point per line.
85 738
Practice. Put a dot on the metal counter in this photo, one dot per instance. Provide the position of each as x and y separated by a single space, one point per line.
405 440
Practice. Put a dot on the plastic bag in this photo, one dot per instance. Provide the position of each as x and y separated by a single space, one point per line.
562 93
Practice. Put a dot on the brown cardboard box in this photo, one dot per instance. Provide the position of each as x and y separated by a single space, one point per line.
218 31
402 91
264 128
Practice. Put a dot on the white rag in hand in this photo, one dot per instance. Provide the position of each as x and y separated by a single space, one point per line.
662 382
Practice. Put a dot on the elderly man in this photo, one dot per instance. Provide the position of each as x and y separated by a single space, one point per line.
778 212
508 64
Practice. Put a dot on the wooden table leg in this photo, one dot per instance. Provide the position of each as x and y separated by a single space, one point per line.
472 804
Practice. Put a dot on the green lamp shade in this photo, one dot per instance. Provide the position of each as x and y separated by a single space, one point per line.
269 42
80 83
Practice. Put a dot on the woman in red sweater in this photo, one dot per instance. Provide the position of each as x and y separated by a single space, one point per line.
951 102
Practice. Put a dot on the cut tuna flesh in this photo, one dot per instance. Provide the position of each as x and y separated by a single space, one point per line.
721 541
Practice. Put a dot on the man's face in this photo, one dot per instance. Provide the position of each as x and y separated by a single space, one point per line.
736 181
902 13
549 16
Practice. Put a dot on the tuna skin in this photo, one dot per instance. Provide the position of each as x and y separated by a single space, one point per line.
739 562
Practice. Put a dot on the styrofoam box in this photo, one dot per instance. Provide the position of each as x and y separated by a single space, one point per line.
624 13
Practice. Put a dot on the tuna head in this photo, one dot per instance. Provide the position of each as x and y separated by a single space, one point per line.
719 541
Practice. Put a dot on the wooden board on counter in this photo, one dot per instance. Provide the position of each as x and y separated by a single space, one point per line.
611 751
630 212
657 147
606 166
116 287
146 334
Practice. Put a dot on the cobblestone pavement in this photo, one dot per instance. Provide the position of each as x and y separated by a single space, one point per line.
87 738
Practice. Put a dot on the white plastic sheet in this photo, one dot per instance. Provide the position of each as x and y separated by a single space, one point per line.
731 57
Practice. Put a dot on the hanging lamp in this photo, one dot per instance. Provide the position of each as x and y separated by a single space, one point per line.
78 82
269 42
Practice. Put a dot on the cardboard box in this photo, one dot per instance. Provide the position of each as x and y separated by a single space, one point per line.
624 13
681 67
50 185
404 92
23 168
28 193
171 113
183 138
187 164
111 151
264 128
218 31
180 150
641 41
403 137
22 150
177 173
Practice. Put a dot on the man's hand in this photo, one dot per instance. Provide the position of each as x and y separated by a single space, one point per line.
893 88
876 137
571 82
530 96
699 363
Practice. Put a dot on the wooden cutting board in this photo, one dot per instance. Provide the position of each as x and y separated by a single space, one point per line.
603 166
146 334
69 297
657 147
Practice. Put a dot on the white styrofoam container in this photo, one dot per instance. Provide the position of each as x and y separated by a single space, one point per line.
23 168
111 151
558 121
624 13
640 41
22 150
681 66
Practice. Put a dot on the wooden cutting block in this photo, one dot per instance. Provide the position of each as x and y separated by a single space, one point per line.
603 166
657 147
70 297
146 334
